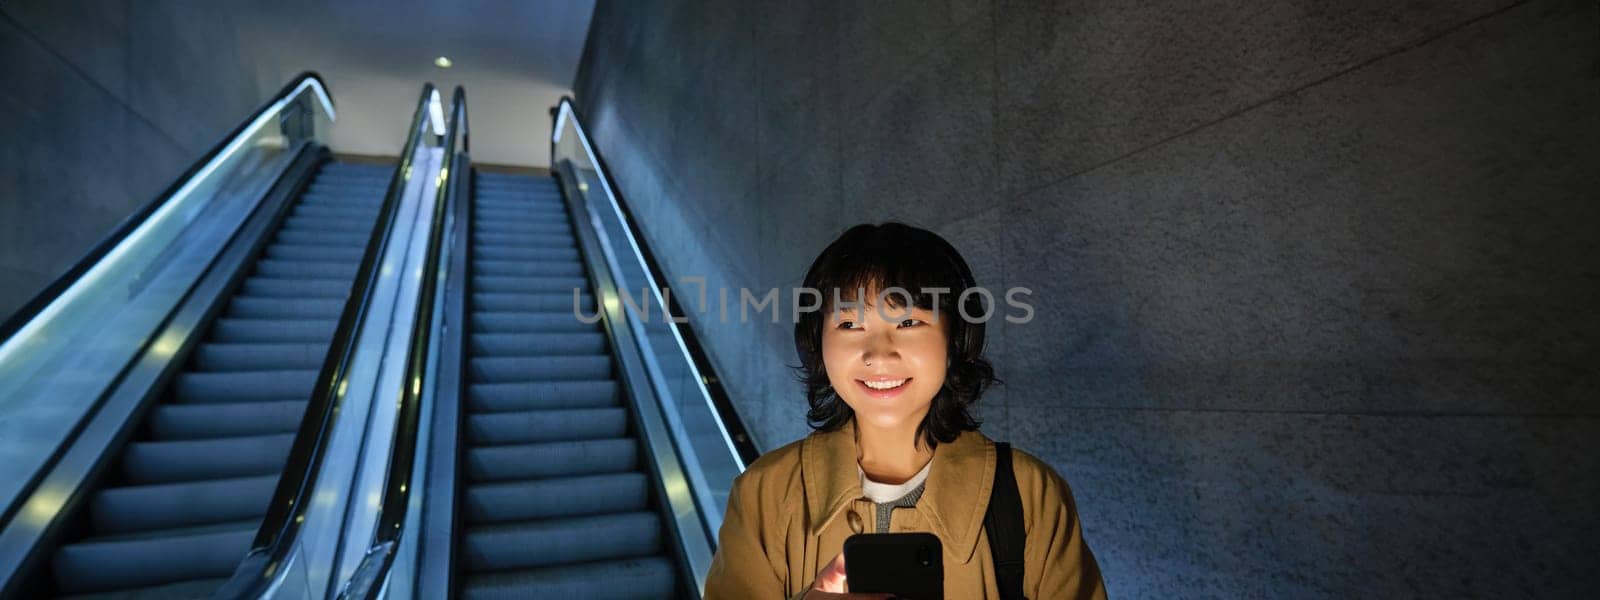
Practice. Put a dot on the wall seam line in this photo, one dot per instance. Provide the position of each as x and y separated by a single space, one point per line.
1396 51
95 83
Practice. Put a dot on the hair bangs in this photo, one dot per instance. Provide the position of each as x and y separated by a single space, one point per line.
895 273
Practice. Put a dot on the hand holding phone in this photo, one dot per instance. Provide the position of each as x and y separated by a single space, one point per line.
908 565
830 584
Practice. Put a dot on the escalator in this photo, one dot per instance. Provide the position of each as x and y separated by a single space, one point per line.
179 506
282 353
555 500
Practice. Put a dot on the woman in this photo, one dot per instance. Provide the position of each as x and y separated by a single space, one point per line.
895 448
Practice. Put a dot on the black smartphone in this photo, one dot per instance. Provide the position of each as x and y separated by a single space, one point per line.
908 565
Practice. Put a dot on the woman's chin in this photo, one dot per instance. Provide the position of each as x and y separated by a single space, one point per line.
884 420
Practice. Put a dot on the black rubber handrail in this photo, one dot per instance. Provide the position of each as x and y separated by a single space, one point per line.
737 431
368 579
285 513
50 292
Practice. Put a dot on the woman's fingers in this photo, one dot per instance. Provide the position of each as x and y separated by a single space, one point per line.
830 584
832 577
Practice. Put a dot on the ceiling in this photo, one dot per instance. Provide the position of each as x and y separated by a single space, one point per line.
516 58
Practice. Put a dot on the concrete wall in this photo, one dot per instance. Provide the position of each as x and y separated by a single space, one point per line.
1315 282
100 114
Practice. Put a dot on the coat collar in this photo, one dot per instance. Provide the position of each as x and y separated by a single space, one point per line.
954 501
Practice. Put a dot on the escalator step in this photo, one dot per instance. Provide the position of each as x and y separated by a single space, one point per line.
343 186
514 268
547 426
248 331
193 460
533 344
562 541
523 227
305 270
520 212
206 552
555 498
244 386
530 240
534 302
482 252
552 459
264 357
292 252
349 179
344 198
517 195
551 215
206 421
533 193
334 212
252 307
491 194
341 171
487 178
541 395
175 505
499 177
529 285
539 368
489 188
319 238
358 169
647 578
366 186
532 321
379 172
346 190
267 287
560 242
343 225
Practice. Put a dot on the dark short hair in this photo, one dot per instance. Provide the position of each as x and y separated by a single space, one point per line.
878 257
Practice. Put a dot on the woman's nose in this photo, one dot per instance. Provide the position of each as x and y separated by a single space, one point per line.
879 348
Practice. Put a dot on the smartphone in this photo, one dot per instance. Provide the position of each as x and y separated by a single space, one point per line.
908 565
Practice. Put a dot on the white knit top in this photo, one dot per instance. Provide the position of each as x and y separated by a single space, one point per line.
886 492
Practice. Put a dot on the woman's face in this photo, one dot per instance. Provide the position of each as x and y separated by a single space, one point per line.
862 347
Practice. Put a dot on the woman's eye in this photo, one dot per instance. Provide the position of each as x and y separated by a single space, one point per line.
846 324
912 322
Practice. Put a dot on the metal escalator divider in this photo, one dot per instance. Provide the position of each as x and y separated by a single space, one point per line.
554 497
187 495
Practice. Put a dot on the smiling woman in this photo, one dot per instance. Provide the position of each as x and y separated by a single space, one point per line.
873 329
891 364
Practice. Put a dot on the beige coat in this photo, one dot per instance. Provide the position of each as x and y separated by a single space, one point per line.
790 512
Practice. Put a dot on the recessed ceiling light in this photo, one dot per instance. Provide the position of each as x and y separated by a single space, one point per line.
442 62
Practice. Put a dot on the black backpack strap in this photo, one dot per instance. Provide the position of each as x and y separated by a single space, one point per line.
1003 521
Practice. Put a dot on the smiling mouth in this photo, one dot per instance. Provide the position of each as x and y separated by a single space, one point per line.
883 388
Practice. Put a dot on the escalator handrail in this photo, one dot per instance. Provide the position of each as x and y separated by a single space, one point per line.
279 528
368 581
738 433
56 288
